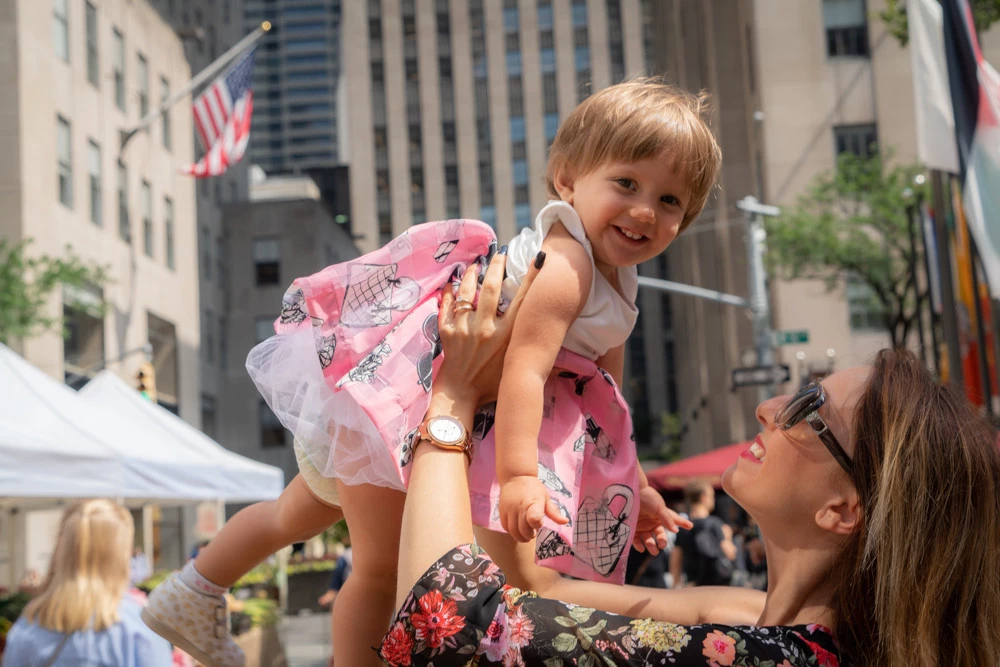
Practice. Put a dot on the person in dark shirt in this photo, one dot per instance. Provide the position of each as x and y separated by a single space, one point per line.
703 555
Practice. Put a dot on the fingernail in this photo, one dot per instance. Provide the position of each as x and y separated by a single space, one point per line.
539 259
503 250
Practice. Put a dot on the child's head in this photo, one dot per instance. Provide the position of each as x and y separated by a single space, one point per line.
636 120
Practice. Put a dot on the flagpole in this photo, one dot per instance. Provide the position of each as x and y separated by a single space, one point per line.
984 363
204 75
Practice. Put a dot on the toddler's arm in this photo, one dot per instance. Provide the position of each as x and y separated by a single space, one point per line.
554 302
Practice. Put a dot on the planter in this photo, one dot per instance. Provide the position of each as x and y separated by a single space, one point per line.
304 589
262 646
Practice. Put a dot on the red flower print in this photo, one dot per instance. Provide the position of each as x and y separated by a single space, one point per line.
397 647
437 619
720 649
823 657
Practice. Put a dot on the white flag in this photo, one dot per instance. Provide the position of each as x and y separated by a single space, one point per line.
936 144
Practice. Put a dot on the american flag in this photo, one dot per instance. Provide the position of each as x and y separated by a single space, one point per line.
222 116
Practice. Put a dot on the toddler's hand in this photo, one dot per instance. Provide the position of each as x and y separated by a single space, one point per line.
655 519
524 501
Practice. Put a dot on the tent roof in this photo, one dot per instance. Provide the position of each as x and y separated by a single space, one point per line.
54 443
202 465
707 466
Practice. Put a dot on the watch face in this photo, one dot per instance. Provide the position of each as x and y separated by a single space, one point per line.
445 430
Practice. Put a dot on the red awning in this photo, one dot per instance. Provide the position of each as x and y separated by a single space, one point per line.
708 466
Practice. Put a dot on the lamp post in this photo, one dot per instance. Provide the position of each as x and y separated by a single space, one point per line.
913 200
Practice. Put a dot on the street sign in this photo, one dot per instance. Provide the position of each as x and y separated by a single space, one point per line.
754 376
791 337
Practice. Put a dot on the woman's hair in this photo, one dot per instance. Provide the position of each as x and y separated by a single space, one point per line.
635 120
920 576
89 572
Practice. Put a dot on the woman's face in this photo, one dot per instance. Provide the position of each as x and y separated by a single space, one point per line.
791 478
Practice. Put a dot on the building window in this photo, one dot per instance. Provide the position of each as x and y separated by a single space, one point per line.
146 201
223 347
267 261
545 15
83 346
579 13
272 433
488 214
93 68
206 253
208 416
263 329
861 139
163 337
846 28
124 229
616 45
550 94
220 262
143 86
118 63
866 312
168 231
94 169
60 28
164 95
517 129
64 148
520 172
551 126
522 213
208 346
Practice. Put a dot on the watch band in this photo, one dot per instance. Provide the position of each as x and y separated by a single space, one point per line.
423 434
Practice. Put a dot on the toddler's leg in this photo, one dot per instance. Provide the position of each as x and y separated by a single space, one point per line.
364 606
256 532
189 608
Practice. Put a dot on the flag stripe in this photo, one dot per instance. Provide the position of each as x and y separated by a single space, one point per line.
222 115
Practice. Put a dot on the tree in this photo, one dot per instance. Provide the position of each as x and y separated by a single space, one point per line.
26 283
985 13
853 223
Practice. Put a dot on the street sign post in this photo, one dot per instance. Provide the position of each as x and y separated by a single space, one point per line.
791 337
756 376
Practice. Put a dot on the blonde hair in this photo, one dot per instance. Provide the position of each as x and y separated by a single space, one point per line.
635 120
89 572
919 579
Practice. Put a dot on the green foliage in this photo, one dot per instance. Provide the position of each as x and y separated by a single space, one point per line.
854 222
262 574
26 283
262 612
321 565
154 580
985 13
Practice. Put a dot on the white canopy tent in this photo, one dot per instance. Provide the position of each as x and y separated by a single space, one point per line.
108 441
179 461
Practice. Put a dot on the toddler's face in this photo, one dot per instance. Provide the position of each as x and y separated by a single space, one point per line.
631 211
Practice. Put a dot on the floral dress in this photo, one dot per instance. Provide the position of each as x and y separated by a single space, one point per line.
461 613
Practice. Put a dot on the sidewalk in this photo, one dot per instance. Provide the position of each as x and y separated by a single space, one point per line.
306 639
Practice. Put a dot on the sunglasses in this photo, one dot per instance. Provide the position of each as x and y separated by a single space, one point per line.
805 405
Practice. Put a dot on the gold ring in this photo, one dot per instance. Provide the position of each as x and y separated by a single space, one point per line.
463 306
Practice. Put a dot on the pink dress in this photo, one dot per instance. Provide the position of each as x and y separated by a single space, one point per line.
350 374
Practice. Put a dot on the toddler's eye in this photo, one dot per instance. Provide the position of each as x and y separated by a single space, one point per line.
626 183
670 199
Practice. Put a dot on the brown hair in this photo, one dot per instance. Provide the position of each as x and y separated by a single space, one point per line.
695 491
635 120
919 578
89 571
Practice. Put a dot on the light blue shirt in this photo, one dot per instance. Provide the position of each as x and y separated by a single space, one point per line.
128 643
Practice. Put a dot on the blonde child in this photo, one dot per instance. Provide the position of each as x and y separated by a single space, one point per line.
351 370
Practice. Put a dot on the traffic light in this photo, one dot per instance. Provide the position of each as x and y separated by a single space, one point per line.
146 381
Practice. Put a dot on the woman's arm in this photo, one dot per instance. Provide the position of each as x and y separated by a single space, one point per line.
538 334
437 515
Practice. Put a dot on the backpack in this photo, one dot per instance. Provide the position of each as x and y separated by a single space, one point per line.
714 569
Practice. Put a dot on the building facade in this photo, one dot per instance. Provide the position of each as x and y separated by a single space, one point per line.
297 101
75 74
831 79
78 74
284 231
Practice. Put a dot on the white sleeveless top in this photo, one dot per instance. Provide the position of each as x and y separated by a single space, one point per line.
607 319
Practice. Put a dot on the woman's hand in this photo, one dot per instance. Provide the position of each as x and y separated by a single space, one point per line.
475 339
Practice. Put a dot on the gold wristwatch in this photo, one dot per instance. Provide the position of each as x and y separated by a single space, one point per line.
445 433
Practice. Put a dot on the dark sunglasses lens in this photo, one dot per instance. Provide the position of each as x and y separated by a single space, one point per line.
798 406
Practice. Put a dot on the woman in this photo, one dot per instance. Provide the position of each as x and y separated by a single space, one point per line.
880 524
82 615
